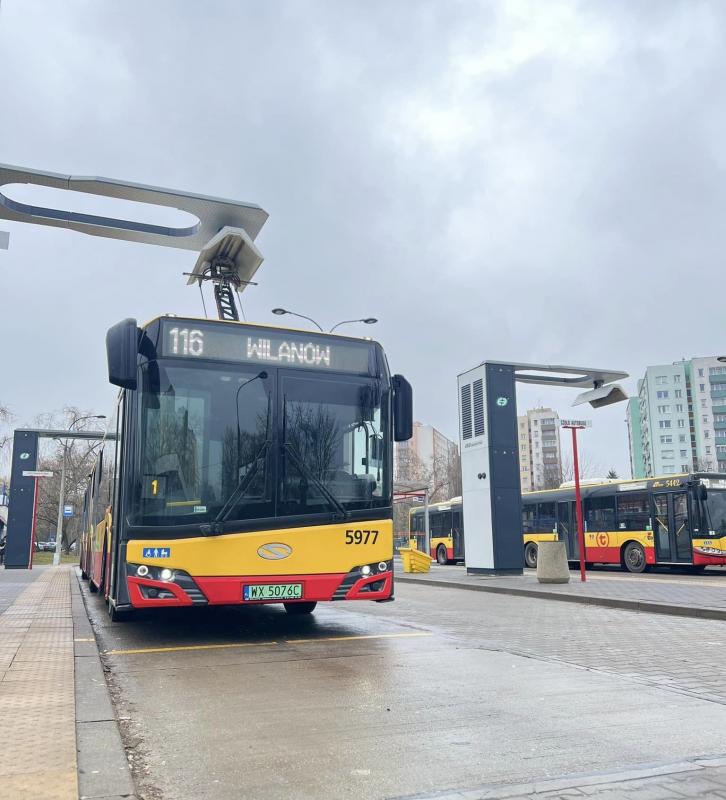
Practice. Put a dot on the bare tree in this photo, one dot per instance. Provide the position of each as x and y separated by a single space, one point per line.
6 436
589 467
80 456
552 476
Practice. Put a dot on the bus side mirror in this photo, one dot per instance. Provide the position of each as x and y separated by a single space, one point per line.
402 409
122 344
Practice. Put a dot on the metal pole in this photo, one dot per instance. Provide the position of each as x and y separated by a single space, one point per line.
427 533
35 518
61 500
578 506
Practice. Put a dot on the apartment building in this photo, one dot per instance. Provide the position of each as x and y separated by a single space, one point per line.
427 456
540 453
677 423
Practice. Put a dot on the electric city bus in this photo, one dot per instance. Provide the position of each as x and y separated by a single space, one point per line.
446 531
243 464
676 520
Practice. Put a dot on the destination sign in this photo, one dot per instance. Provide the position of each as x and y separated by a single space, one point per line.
197 340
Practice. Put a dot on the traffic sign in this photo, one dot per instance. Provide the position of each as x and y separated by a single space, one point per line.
68 511
37 473
576 423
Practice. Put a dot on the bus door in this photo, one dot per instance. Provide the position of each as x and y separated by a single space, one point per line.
457 530
566 529
671 527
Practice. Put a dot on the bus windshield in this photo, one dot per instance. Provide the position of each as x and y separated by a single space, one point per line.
716 505
221 443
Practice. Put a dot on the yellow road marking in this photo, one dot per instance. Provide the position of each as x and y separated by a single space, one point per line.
362 636
183 648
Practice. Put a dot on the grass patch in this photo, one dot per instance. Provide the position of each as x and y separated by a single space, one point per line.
47 558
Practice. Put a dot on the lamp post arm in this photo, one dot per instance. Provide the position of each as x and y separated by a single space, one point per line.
344 322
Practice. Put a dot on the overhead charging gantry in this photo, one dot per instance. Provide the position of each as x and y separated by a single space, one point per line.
224 234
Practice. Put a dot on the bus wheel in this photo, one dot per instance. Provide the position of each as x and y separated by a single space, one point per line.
441 556
92 588
530 555
296 609
634 557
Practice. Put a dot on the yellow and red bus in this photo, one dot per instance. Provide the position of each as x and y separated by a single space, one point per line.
243 464
446 529
675 520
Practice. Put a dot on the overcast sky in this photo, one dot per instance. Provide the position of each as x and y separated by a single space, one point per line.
533 181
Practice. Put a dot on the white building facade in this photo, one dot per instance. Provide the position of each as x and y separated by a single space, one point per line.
679 423
427 456
540 451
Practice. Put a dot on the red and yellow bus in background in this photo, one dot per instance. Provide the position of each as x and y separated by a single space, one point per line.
243 464
674 520
446 529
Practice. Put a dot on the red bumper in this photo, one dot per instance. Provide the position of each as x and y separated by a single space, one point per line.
703 558
229 590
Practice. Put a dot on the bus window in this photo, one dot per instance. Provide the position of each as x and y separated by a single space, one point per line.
633 512
417 523
455 522
529 512
600 513
546 520
436 520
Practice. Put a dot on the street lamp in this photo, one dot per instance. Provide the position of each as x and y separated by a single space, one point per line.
61 497
281 311
365 321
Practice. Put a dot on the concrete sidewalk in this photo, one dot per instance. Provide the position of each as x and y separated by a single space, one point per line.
57 724
702 596
37 697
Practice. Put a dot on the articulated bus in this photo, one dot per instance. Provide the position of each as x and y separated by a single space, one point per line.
676 520
243 464
446 529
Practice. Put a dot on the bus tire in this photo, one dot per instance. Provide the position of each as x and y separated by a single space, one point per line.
297 609
441 555
530 555
634 557
92 588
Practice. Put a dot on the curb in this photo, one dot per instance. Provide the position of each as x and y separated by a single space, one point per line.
646 606
103 769
583 781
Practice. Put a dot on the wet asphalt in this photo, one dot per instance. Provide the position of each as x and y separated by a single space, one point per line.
435 692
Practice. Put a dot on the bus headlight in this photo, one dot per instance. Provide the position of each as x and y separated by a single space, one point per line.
365 570
166 574
142 570
382 566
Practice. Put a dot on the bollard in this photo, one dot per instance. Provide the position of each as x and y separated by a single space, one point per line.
552 563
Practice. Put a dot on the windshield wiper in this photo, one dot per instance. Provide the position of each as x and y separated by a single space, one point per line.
214 528
327 494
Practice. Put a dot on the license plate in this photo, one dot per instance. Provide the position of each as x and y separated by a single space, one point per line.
272 591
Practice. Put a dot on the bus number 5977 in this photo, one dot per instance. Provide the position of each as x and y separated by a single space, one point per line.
361 537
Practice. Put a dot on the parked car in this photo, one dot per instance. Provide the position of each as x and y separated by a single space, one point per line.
45 547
